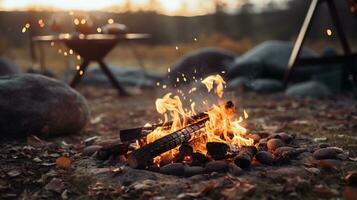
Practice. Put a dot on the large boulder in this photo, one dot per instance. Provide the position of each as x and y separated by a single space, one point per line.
268 60
238 83
8 68
265 85
312 89
35 104
200 64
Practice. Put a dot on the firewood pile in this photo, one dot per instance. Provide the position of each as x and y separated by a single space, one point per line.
210 141
268 150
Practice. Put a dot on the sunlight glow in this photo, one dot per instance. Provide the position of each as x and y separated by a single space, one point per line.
170 7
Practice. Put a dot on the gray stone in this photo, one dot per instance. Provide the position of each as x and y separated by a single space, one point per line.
45 72
177 169
312 89
55 185
8 68
35 104
217 166
234 169
285 137
327 153
265 85
201 63
283 150
90 150
239 82
287 171
194 170
265 157
274 143
269 59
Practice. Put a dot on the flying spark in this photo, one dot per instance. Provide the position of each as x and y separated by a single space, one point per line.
110 21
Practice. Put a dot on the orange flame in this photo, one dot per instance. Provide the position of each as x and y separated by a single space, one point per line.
222 126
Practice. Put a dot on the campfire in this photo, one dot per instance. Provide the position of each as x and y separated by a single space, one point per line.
195 138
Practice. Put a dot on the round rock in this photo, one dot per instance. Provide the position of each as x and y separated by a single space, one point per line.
177 169
239 82
8 68
285 137
265 157
90 150
327 153
35 104
268 59
234 169
274 143
216 166
283 150
201 63
265 85
194 170
312 89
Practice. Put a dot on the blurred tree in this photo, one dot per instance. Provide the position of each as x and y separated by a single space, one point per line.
246 7
152 5
128 6
219 6
244 19
272 6
183 7
219 15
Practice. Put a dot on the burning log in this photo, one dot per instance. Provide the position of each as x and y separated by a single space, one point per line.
186 150
145 154
137 133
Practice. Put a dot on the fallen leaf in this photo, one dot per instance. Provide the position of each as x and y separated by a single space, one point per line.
354 159
320 139
312 170
324 191
97 119
34 141
350 193
55 185
301 122
63 162
37 159
241 189
14 173
351 178
90 140
64 195
48 164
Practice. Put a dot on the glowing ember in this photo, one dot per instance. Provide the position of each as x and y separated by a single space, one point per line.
76 21
329 32
222 126
110 21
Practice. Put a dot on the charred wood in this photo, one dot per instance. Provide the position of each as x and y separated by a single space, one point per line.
137 133
141 156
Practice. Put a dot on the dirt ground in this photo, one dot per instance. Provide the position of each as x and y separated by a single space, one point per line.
28 169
